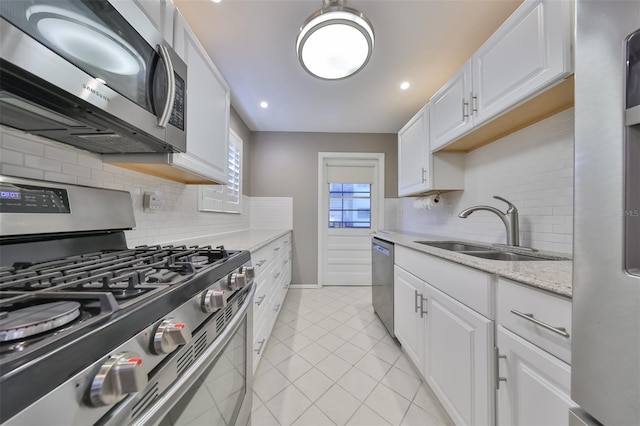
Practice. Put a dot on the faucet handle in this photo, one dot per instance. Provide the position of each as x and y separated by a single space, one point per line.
511 206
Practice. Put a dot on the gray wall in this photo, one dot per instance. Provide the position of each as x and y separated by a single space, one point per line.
238 126
286 165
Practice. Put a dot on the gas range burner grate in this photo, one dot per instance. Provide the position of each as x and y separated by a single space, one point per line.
126 274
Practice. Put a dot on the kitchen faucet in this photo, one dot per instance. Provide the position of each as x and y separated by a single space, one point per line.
510 219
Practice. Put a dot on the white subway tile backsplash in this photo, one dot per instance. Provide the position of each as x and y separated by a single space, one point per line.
179 218
76 170
59 177
12 157
61 154
42 163
18 142
19 171
101 175
533 168
90 160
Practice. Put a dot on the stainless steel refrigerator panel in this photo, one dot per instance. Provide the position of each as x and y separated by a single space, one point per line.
606 299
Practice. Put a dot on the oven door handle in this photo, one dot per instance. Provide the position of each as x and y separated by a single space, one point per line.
165 403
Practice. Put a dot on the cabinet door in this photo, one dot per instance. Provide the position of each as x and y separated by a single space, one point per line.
449 109
413 152
530 51
160 12
408 325
457 359
208 107
537 387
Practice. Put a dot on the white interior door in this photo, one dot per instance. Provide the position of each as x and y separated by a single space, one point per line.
351 193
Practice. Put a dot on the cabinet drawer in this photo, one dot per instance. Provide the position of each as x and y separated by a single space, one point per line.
467 285
262 257
542 318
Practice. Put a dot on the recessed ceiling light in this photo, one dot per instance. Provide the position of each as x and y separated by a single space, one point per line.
216 1
264 104
404 85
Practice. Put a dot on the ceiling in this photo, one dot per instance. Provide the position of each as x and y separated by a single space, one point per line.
424 42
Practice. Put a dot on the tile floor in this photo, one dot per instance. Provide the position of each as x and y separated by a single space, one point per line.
330 361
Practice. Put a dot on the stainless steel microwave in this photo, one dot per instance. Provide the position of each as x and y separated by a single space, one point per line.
95 74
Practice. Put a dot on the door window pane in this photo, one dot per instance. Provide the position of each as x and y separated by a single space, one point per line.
349 205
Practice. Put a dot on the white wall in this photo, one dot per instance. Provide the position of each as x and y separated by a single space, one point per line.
38 158
532 168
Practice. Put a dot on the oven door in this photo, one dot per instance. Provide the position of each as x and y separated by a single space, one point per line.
217 388
105 53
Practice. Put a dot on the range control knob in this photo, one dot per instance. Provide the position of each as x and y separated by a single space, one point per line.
120 375
169 335
249 272
213 300
237 281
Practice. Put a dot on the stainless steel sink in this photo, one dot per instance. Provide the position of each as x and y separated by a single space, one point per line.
503 255
454 246
487 252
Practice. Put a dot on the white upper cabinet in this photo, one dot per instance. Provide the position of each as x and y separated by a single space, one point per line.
450 109
413 152
208 108
419 171
160 12
530 52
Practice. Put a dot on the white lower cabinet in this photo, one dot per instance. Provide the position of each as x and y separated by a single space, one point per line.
272 264
458 347
533 353
534 386
409 327
449 343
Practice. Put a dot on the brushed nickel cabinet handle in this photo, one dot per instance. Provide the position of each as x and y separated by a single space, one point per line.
415 298
529 317
474 103
261 344
260 299
465 114
497 357
422 309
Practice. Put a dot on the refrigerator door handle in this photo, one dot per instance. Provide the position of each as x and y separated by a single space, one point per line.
529 317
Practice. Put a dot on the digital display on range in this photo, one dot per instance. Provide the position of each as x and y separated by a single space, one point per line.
18 198
10 195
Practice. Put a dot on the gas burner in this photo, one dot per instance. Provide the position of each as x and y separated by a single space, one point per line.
198 260
124 294
37 319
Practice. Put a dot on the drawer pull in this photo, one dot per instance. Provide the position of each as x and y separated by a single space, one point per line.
277 307
261 262
276 249
416 300
260 345
260 299
529 317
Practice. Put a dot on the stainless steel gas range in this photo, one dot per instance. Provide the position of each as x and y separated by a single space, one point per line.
94 332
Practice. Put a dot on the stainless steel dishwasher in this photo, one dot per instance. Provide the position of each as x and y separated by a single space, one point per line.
382 281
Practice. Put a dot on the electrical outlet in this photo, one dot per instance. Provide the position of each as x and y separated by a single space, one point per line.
152 201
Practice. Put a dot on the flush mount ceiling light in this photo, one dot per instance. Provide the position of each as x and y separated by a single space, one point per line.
335 42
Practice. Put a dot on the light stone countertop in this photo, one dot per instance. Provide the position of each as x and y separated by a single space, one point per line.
554 275
251 239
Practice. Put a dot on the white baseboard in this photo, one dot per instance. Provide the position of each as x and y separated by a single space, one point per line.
304 286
